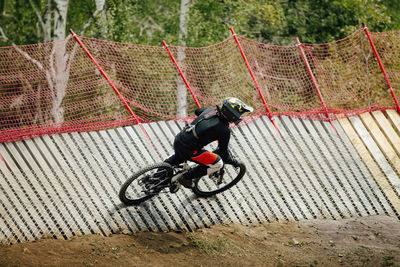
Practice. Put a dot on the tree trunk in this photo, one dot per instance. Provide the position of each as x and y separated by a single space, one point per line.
60 72
47 23
181 87
59 66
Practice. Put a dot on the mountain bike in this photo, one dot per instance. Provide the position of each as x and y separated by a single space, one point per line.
161 177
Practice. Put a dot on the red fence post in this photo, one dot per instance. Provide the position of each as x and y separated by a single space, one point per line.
111 83
382 68
303 55
5 163
181 73
254 78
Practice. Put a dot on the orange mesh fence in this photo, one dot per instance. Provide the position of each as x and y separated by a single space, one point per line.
349 75
282 76
388 47
56 88
216 72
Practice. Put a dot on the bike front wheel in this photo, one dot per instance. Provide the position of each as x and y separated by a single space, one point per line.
207 187
145 184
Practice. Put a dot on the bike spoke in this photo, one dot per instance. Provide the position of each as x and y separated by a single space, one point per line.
208 186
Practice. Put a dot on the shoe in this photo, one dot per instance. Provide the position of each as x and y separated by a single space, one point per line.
173 188
188 183
175 185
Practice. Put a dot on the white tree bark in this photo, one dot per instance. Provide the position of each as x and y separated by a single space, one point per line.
45 21
60 19
59 72
100 6
181 87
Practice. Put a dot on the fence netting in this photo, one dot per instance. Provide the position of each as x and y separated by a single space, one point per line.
56 88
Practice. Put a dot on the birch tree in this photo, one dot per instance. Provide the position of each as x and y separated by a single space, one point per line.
52 23
181 87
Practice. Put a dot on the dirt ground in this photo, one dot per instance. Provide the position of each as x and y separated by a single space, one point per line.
367 241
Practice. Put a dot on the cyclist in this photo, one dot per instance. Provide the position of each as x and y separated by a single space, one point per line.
211 124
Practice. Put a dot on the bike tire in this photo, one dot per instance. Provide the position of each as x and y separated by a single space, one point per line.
135 200
202 191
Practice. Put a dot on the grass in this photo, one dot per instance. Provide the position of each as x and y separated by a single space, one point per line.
388 261
212 247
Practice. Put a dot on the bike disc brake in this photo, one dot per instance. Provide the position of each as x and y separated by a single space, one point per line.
217 176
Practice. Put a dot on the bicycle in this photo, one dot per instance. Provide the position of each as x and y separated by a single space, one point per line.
153 179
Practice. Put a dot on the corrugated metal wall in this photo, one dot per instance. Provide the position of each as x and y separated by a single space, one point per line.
66 185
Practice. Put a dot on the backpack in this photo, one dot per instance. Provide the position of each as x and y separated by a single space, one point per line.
206 120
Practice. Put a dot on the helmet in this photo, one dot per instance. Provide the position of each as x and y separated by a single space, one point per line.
232 108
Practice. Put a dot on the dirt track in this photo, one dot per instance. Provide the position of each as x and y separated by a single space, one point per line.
368 241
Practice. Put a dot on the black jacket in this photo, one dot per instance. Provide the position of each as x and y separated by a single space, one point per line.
210 126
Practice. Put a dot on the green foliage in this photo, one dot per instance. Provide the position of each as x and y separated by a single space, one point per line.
151 21
210 20
392 11
16 21
143 22
79 13
23 21
322 21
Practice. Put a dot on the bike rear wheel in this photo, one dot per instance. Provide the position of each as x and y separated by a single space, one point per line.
143 185
207 187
